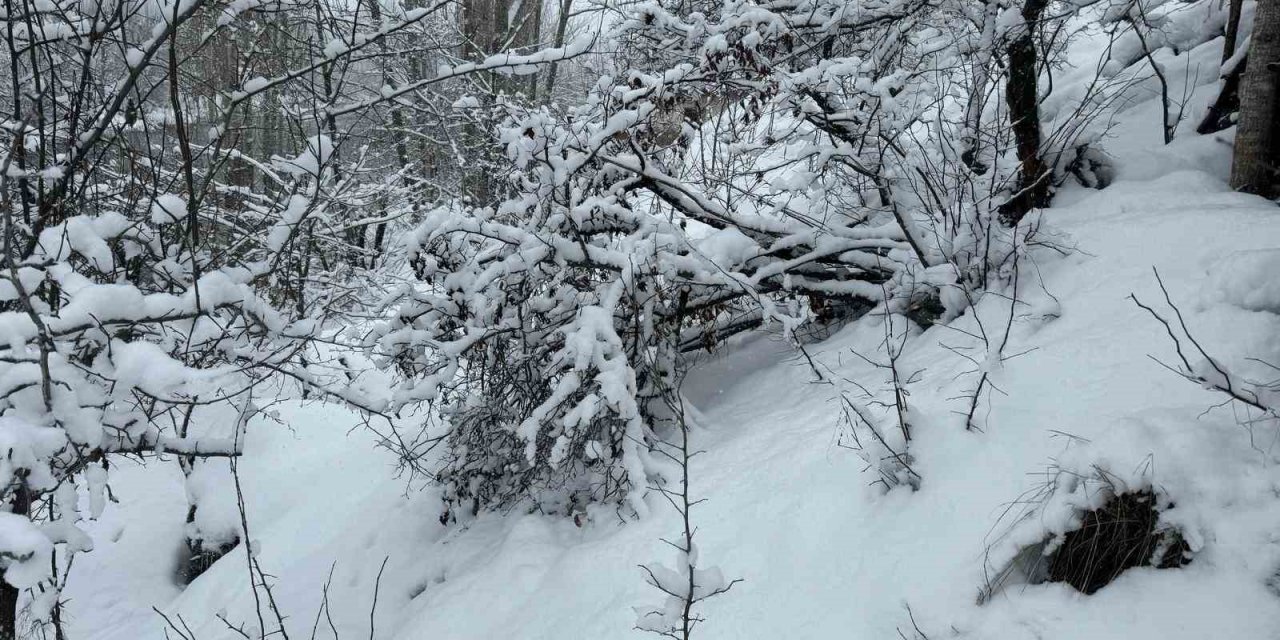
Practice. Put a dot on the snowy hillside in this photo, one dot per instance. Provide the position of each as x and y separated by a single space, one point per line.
746 323
792 510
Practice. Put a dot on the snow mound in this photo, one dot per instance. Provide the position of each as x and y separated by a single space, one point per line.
1247 279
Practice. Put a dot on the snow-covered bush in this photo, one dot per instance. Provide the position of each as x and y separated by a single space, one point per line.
740 166
156 272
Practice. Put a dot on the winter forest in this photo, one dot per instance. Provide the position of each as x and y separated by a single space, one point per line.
603 319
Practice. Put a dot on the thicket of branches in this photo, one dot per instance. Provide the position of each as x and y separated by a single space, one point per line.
783 163
190 193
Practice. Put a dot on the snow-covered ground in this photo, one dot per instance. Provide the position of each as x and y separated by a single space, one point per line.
822 552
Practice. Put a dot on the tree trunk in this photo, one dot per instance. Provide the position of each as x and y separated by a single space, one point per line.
1227 104
535 39
972 153
562 25
489 27
1228 100
1232 31
21 504
8 611
398 133
1256 165
1022 95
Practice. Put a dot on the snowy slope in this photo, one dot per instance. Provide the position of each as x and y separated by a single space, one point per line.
822 552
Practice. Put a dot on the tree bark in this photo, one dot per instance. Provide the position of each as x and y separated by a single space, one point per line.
9 594
1228 100
398 133
562 25
1227 104
972 154
1023 98
1256 165
490 27
8 611
1232 31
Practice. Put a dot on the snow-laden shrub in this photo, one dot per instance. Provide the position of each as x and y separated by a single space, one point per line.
154 274
829 156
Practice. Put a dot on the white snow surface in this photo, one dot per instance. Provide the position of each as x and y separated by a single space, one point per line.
821 551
